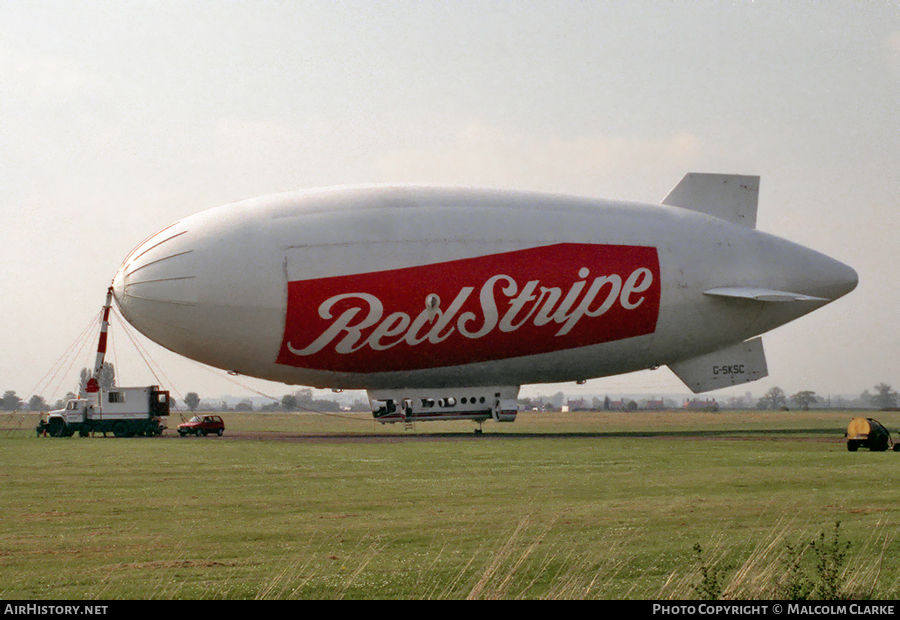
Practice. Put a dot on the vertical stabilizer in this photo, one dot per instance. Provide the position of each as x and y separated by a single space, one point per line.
730 197
734 365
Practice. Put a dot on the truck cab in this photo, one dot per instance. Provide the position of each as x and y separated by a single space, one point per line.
76 410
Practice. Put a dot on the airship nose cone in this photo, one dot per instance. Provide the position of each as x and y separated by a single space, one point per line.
156 286
118 287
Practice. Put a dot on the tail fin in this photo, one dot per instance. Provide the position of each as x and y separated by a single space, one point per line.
730 197
734 365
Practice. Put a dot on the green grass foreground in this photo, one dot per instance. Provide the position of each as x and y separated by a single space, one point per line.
580 505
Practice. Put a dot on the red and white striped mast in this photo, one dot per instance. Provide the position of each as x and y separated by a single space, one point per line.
93 384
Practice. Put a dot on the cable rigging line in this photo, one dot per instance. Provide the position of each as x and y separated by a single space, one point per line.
231 378
55 370
145 355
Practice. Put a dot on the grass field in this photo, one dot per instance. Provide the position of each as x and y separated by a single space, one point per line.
581 505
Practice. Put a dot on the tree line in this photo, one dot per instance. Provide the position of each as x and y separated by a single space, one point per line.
11 401
301 400
883 397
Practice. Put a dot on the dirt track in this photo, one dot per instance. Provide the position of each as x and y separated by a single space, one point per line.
413 436
658 426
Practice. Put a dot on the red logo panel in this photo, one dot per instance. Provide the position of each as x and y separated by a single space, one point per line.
491 307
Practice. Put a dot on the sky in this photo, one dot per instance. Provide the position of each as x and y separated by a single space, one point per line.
119 118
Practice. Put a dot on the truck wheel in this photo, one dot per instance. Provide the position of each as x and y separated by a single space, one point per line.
55 428
852 445
120 429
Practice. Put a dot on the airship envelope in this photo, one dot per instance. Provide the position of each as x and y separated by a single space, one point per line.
428 297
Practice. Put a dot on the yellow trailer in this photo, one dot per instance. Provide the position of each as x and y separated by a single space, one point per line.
867 433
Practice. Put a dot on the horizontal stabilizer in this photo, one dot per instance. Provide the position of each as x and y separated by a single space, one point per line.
759 294
729 197
741 363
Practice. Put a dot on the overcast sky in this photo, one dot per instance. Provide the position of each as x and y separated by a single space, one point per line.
118 118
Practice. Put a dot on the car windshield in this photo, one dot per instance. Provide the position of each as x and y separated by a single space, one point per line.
196 418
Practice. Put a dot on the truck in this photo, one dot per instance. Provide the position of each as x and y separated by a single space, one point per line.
122 411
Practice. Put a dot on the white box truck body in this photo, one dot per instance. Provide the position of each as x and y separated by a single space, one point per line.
122 411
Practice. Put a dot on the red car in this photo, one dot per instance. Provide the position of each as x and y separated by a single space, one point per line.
202 425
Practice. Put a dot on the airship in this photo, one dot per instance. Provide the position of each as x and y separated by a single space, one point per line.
442 302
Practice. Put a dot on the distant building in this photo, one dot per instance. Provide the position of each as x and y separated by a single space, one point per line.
697 404
578 404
